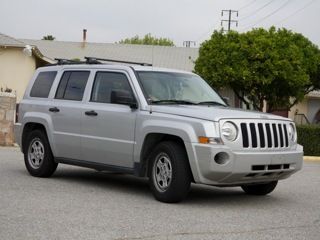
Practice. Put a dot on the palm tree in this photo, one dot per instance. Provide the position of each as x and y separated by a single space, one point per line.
48 37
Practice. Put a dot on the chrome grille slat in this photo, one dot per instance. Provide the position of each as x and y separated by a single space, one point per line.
265 135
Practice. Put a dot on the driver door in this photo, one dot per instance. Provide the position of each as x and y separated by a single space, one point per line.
108 128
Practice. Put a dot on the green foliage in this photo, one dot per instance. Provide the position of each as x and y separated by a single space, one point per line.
309 138
275 65
148 40
48 37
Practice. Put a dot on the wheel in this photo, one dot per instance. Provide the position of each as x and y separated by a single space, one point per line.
260 189
38 157
169 172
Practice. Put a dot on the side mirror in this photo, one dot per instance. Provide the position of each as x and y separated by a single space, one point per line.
123 97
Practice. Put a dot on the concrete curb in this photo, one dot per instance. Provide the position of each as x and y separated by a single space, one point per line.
311 159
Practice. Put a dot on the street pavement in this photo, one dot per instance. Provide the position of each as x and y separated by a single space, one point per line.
79 203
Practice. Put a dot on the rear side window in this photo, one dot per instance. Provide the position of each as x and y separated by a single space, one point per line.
72 85
42 85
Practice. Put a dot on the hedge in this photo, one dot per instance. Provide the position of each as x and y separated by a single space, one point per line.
309 138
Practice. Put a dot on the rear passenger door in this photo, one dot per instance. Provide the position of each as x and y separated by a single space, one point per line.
66 113
108 132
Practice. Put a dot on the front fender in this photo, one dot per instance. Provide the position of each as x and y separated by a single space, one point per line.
185 131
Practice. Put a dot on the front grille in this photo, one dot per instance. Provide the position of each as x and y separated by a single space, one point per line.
270 167
264 135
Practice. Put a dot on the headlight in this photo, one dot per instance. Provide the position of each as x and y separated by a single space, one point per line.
229 131
292 132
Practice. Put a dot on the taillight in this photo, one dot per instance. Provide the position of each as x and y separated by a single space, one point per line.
17 112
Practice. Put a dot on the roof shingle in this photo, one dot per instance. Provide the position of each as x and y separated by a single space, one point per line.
160 56
6 40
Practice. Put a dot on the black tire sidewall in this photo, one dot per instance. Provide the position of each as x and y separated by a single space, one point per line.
181 176
48 165
260 189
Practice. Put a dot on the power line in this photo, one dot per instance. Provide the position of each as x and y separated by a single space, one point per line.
267 16
229 20
213 26
256 11
247 5
297 11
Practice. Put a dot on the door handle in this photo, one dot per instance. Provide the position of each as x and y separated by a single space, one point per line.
54 109
91 113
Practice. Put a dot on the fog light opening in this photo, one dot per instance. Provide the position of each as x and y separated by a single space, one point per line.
221 158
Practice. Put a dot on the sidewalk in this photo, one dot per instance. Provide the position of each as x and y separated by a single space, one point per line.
311 158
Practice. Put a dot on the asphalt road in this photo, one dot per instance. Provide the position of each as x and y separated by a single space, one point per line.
78 203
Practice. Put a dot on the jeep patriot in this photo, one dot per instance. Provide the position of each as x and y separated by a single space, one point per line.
167 125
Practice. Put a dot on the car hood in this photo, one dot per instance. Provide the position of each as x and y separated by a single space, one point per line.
213 113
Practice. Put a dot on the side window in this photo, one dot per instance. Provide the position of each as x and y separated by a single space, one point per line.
42 85
105 83
72 85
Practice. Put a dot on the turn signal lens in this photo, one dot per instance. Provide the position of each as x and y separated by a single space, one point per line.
207 140
204 140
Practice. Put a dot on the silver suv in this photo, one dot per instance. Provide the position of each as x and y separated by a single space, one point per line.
166 125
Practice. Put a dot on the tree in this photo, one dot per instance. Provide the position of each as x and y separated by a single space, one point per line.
275 65
147 40
48 37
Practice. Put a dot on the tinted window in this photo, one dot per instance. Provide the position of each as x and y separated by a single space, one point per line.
72 85
105 83
42 84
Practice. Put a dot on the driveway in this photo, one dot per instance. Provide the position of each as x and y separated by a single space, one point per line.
79 203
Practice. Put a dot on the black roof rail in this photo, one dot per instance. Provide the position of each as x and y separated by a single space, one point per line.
63 61
94 59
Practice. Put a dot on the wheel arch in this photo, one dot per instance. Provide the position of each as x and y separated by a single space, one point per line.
150 141
37 120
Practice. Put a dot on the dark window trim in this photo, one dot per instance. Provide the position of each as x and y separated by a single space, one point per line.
71 71
140 84
95 77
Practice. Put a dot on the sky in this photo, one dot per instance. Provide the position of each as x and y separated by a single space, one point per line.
180 20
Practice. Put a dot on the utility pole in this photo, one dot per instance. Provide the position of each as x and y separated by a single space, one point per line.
188 43
229 20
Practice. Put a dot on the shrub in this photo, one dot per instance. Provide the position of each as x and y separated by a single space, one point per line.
309 138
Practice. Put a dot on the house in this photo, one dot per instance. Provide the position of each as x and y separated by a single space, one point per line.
307 111
16 66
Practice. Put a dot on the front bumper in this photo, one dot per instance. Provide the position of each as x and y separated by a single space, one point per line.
243 167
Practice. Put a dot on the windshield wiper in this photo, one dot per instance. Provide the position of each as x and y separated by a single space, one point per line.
211 103
173 101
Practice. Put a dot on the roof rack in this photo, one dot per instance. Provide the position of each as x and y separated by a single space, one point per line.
63 61
94 59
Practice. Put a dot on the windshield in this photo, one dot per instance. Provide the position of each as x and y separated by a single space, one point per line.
180 88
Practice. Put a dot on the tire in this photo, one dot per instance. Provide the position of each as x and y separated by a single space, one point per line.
170 157
38 156
259 189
